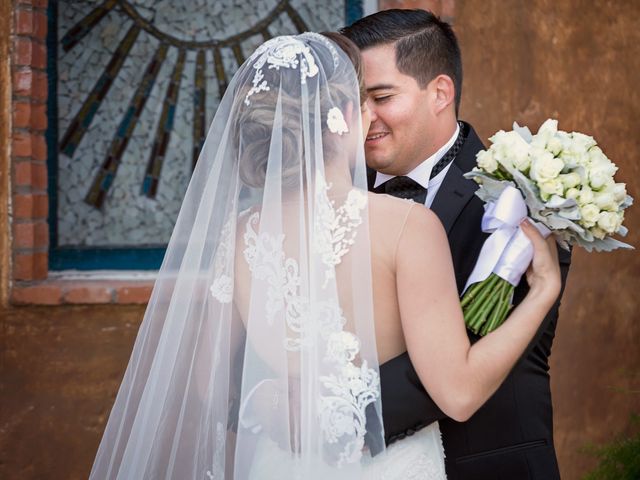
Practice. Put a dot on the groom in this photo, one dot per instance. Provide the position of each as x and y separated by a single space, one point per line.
417 148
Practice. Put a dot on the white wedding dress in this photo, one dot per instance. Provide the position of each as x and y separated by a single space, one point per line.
418 457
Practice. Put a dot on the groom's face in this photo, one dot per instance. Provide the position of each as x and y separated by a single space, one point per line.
398 138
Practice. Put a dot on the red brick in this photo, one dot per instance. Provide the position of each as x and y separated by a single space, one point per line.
21 144
27 115
23 51
44 294
30 235
30 206
30 174
22 174
30 266
29 145
39 87
30 53
22 114
39 55
39 118
30 83
88 294
40 25
24 22
22 82
39 147
134 293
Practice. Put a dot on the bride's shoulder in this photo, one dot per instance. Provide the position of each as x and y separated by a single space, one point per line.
382 204
404 216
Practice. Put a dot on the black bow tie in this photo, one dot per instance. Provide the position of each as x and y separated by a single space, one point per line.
403 187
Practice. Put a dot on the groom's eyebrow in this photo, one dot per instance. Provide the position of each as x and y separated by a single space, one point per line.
382 86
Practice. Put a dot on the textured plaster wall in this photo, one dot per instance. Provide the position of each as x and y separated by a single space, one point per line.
524 60
578 61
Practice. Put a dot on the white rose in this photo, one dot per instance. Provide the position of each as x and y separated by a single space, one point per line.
573 158
605 201
546 131
572 193
608 221
589 214
585 196
521 160
510 149
598 232
596 155
575 148
583 142
544 165
619 191
550 125
601 175
550 187
486 161
570 180
554 145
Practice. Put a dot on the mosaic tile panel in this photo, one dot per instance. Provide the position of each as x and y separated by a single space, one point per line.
138 83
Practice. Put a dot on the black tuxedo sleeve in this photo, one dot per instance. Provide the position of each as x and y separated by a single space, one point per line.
406 404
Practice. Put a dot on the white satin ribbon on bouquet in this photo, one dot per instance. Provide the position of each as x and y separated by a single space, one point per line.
508 251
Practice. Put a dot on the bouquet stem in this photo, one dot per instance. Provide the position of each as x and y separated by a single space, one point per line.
486 304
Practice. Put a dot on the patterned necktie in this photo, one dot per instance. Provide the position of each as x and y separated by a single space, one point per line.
405 187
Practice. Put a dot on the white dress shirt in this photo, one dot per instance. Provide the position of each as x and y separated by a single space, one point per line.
422 172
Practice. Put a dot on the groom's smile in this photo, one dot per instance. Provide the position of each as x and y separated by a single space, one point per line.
398 139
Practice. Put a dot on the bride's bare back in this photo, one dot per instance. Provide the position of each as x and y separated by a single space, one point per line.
387 219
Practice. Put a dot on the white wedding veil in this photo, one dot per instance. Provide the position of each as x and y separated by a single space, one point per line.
256 357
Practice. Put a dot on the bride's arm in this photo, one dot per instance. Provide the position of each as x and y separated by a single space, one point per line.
458 376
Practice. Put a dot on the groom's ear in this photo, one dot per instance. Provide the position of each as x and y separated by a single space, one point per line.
443 93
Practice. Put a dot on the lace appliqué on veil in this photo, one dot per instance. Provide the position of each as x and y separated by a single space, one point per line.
350 388
222 287
285 52
264 254
217 472
335 229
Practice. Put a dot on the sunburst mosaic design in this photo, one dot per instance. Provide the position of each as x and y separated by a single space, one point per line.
138 83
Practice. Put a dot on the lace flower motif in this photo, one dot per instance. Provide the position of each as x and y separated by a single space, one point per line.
336 122
287 52
335 229
347 388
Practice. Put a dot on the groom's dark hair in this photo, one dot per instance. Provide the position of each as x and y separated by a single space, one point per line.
425 45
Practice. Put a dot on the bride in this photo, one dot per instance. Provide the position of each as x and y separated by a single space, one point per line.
285 285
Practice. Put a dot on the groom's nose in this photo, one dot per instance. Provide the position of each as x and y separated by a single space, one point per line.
372 110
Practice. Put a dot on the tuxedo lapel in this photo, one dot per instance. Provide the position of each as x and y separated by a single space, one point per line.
456 191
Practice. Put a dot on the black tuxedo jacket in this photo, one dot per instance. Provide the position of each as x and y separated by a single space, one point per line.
511 436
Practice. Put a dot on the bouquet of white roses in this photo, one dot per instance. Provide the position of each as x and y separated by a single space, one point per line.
564 182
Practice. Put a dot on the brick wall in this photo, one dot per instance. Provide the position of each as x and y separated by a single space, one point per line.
29 226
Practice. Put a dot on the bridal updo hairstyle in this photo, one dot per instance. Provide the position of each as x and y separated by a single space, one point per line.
255 122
